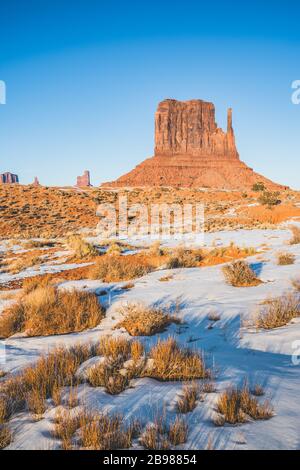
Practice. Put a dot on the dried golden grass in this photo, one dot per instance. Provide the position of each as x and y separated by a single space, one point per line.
119 268
277 312
48 311
296 284
184 258
178 432
237 406
188 401
5 436
239 274
295 240
170 361
99 431
284 259
38 382
141 320
24 262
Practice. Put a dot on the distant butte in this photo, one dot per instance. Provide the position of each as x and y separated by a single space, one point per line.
8 178
192 151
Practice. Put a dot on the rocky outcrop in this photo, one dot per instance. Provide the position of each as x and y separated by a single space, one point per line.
192 151
36 181
9 178
189 128
84 180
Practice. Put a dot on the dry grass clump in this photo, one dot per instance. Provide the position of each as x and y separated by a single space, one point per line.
239 274
96 431
237 405
184 258
80 247
178 432
5 436
284 259
24 262
108 375
114 249
65 426
296 284
111 373
35 384
119 268
161 436
156 249
188 401
49 311
141 320
278 312
100 431
295 240
169 361
32 283
114 348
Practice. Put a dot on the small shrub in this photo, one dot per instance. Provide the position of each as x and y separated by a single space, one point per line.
184 258
80 247
119 268
172 362
268 198
296 235
278 312
259 186
114 249
140 320
239 274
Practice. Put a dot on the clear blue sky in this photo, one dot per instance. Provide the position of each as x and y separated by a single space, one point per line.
84 78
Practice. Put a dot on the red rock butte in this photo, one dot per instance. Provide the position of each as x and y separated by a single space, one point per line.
192 151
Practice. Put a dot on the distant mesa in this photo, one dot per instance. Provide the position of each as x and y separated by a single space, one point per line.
192 151
36 181
84 180
9 178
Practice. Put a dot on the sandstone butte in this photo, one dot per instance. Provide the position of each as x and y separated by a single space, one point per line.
192 151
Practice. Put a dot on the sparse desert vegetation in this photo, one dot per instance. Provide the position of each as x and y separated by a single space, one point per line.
170 361
277 312
49 311
240 274
118 268
295 240
284 258
237 405
141 320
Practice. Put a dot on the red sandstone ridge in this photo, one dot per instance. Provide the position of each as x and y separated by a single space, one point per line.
192 151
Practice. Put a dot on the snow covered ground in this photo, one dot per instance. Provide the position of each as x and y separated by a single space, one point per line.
236 352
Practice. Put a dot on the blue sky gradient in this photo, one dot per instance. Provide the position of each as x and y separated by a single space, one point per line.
84 78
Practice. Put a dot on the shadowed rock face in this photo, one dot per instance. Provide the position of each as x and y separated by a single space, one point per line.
192 151
9 178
